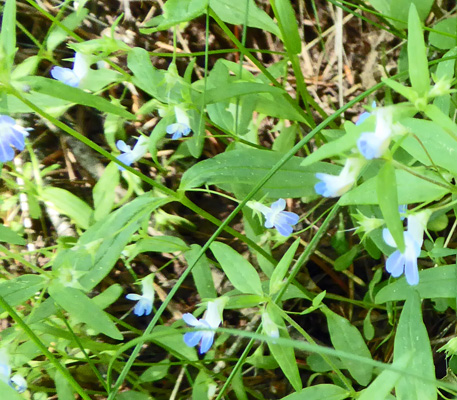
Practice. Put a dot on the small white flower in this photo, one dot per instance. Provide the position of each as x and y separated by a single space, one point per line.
337 185
211 320
374 144
130 155
146 300
11 134
72 77
269 326
406 262
182 125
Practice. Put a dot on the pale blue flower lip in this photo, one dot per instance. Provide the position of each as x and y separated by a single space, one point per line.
130 155
65 75
279 219
177 130
143 305
11 134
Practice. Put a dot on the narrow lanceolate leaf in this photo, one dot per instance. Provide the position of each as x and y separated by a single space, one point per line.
347 338
319 392
281 269
285 15
386 189
417 54
8 35
201 273
412 338
239 271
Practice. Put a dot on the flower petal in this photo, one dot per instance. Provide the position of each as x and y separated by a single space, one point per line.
189 319
207 341
289 217
191 339
284 229
388 238
133 296
395 264
65 75
411 271
278 205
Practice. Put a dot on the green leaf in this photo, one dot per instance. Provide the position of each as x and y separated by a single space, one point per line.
417 54
18 290
62 91
175 12
239 271
57 34
64 389
382 386
234 12
245 167
287 22
68 204
235 89
173 342
319 392
346 337
109 237
448 41
104 191
399 10
8 35
108 296
410 189
276 281
9 236
433 283
157 244
201 273
405 91
201 386
156 372
344 261
411 338
132 395
8 392
79 306
386 190
284 355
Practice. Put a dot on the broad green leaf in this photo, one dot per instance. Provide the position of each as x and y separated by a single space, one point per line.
8 392
435 143
445 70
173 342
405 91
284 355
8 35
104 191
417 54
132 395
108 238
175 12
9 236
344 261
433 283
62 91
412 338
234 12
108 296
346 337
57 34
239 271
287 22
382 386
63 387
449 28
245 167
318 364
201 387
156 244
234 89
68 204
410 189
18 290
386 189
319 392
79 306
201 273
156 372
276 281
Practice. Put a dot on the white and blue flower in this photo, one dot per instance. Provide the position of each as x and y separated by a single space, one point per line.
130 155
11 134
17 381
365 115
337 185
210 322
182 125
373 144
72 77
406 262
146 300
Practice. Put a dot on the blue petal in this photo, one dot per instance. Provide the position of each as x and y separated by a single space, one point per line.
191 339
321 188
143 307
411 272
65 75
362 118
289 217
126 158
284 229
16 139
207 341
278 205
6 152
395 264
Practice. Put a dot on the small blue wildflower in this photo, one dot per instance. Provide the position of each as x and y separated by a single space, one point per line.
398 263
283 221
211 320
11 134
17 382
182 125
402 209
146 300
373 144
337 185
130 155
365 115
72 77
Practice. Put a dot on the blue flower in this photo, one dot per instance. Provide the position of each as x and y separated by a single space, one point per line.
211 320
146 300
182 125
11 134
337 185
17 382
279 219
398 263
132 155
72 77
365 115
373 144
